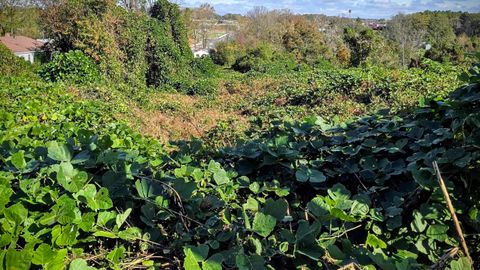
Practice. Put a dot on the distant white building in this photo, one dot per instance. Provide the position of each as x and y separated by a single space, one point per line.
21 46
201 53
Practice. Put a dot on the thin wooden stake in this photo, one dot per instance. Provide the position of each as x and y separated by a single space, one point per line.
452 211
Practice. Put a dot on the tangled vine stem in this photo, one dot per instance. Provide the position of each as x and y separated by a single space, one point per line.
452 211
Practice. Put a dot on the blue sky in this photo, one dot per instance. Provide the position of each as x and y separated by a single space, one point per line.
360 8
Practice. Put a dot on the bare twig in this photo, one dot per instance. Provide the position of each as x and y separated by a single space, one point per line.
445 258
339 235
452 211
350 266
177 196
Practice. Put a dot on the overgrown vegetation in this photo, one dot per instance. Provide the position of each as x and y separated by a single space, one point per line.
305 156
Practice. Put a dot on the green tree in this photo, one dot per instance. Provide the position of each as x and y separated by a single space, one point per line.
19 17
361 44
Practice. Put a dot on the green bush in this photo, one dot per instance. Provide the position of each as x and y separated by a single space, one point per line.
204 66
202 87
227 53
11 64
256 59
72 67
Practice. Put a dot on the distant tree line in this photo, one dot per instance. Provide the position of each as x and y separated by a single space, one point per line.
438 35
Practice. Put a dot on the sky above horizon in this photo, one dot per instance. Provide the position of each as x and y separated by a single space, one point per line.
374 9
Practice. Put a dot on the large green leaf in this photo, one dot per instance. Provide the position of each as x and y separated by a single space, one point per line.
190 261
461 264
438 232
276 208
95 200
18 260
263 224
18 160
80 264
58 151
121 218
219 174
43 255
213 263
375 242
5 194
418 224
16 213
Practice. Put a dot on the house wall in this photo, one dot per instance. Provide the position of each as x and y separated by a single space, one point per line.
28 56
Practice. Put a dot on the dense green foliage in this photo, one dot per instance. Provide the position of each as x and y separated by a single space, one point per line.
345 93
303 194
333 169
129 47
73 66
11 64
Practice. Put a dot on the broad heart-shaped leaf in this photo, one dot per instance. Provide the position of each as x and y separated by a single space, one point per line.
80 264
359 208
317 176
95 200
305 174
418 224
65 235
5 194
340 214
253 262
438 232
277 208
263 224
213 263
16 213
318 207
43 255
147 188
339 192
18 160
71 179
200 252
185 189
220 177
219 174
18 260
375 242
58 262
302 174
461 264
190 262
130 234
59 152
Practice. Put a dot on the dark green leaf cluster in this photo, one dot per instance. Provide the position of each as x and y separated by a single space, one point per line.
71 67
78 191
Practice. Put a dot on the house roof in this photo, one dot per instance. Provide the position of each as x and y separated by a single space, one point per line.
19 44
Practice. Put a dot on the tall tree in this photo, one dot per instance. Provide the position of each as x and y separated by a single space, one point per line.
19 17
361 43
408 33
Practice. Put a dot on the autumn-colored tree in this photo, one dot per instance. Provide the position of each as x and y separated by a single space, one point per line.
343 56
304 40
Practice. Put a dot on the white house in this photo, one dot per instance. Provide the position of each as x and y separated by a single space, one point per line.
21 46
201 53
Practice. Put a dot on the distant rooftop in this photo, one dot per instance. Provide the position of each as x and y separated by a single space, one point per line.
21 44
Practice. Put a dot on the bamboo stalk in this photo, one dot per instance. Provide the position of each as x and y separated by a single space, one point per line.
452 211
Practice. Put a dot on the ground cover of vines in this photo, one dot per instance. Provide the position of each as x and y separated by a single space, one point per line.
122 151
81 192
